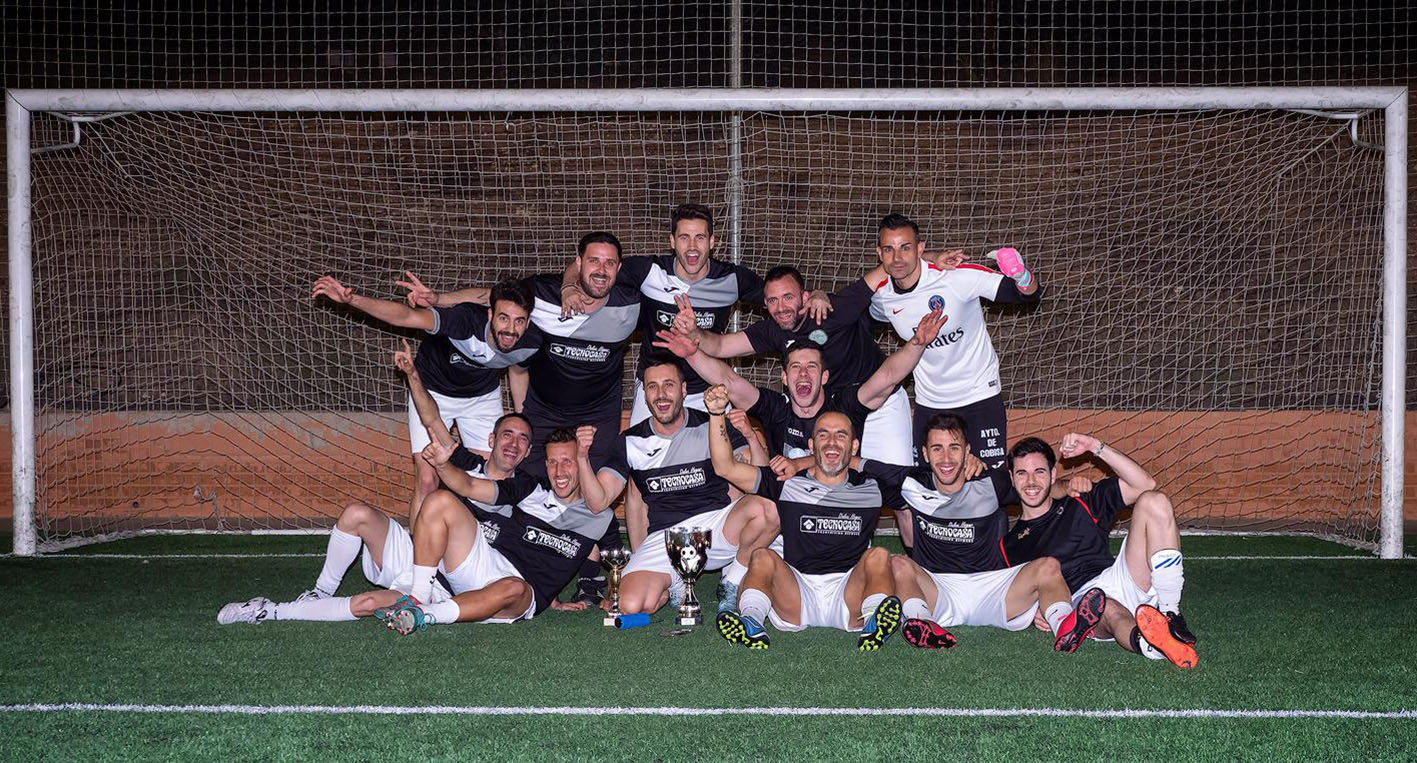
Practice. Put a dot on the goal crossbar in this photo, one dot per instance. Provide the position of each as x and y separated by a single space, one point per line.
1392 101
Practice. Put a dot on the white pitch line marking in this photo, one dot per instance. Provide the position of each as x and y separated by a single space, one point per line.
1020 712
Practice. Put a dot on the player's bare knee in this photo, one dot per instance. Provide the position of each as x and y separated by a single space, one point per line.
1154 506
357 515
1046 567
762 557
876 556
902 568
440 505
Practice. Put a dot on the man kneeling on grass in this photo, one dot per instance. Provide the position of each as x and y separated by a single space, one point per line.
827 574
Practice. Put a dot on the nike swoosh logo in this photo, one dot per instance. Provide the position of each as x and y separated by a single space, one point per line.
897 311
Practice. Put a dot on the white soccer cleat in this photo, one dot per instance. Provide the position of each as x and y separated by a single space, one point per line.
255 611
311 595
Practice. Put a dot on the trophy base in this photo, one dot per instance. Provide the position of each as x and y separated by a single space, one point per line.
688 621
609 621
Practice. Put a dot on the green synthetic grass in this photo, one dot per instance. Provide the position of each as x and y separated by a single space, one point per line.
1276 635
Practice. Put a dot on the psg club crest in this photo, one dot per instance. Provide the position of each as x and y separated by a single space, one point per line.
936 302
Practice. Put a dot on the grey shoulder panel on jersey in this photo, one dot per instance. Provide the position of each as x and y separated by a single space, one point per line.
802 489
611 323
975 500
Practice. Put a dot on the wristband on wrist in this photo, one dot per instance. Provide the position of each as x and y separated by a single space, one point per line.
1024 279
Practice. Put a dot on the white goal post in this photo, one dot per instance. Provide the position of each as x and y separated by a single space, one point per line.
21 104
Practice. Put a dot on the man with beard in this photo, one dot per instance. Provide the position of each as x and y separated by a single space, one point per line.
956 574
667 456
387 547
461 362
827 574
1143 582
710 286
578 378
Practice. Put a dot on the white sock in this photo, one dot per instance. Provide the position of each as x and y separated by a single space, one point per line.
1147 650
1056 614
330 610
755 604
444 612
1168 575
339 554
735 571
915 609
422 589
869 604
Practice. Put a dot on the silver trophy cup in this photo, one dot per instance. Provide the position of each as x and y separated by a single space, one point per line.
614 561
688 553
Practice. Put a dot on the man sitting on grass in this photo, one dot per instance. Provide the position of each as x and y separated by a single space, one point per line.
1143 582
827 574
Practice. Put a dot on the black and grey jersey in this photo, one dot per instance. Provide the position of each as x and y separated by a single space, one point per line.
960 532
713 297
825 528
788 433
674 474
849 349
548 539
460 357
493 517
581 366
1074 531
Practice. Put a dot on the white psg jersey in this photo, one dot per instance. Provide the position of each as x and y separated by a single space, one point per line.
960 367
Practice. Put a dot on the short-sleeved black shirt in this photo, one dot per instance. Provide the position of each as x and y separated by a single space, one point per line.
580 370
848 348
825 528
674 474
1074 531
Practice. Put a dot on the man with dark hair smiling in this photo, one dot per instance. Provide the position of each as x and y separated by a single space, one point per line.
1143 582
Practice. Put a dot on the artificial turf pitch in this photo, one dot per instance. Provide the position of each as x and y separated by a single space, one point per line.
1276 635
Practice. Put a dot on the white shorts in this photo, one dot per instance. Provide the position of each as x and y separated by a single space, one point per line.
639 410
475 417
823 604
483 566
888 433
653 556
978 598
1116 581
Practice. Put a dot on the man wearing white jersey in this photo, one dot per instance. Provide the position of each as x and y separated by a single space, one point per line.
959 372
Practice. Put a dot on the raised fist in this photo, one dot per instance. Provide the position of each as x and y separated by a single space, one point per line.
716 399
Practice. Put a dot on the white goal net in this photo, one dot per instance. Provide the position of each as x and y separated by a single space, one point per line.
1213 304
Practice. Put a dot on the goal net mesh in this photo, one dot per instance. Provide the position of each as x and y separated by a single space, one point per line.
1212 305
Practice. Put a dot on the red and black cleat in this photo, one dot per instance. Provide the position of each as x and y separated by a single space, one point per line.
927 634
1077 626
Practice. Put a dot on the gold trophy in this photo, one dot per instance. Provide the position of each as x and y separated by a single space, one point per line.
614 561
688 553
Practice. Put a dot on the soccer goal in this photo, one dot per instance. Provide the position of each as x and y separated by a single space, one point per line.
1225 273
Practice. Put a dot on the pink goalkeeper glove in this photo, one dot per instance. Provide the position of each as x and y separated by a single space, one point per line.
1011 265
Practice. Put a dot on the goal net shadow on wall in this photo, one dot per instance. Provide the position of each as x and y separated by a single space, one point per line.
1213 306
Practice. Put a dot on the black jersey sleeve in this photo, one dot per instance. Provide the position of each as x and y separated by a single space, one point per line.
750 285
634 270
465 459
765 336
889 478
617 462
768 484
512 490
1009 294
849 304
461 321
1104 502
1003 486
